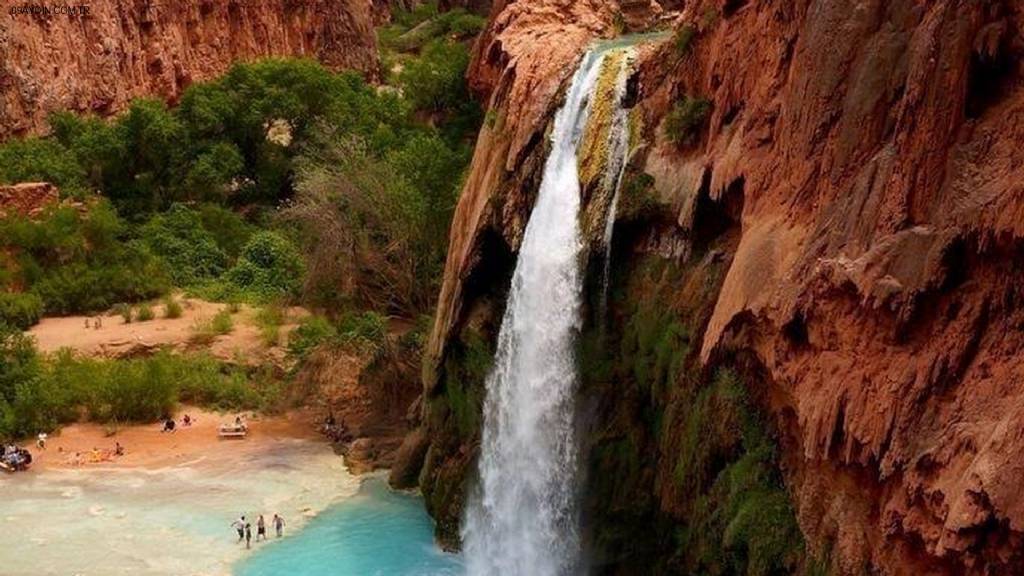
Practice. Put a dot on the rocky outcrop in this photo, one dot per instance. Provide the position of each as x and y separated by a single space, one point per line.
863 161
97 61
28 199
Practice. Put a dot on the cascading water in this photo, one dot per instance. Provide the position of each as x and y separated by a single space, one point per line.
523 519
618 157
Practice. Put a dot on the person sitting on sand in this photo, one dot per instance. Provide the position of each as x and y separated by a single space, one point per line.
41 441
186 421
248 535
118 449
261 528
278 524
239 526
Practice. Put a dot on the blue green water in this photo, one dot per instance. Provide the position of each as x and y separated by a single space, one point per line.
378 531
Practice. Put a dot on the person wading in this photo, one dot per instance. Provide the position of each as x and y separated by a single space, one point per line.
278 524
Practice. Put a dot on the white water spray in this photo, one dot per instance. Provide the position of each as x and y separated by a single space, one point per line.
524 520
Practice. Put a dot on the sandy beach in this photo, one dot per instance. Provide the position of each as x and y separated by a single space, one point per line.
86 445
166 506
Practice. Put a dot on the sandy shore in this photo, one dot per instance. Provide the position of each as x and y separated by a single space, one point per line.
147 446
165 507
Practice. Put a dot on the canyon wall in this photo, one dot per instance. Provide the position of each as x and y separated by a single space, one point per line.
841 231
96 62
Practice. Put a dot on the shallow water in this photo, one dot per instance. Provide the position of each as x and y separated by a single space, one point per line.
378 531
172 521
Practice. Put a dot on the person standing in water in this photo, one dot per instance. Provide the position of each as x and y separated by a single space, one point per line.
278 525
248 535
261 528
239 526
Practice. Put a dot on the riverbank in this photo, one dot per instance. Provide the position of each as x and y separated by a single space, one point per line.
147 446
166 506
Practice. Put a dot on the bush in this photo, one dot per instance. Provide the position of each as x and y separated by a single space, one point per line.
435 81
144 313
172 308
366 328
191 252
311 332
269 320
20 310
227 228
124 311
41 160
206 331
684 121
269 267
81 262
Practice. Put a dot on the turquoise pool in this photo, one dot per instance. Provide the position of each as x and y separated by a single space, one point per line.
378 531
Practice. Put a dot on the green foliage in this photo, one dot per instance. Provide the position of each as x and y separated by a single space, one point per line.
20 310
435 81
637 199
269 319
311 332
190 250
144 313
269 267
124 311
38 395
172 308
227 228
389 218
81 261
205 331
41 160
465 370
742 520
683 39
363 328
683 122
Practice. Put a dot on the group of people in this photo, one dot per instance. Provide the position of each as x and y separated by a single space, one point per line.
170 424
244 528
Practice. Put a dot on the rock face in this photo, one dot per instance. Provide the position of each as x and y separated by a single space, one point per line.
121 49
867 157
27 199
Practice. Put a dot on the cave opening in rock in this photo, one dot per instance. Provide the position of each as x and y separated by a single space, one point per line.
712 219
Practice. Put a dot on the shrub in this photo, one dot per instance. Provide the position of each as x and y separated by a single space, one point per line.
144 313
81 261
311 332
20 310
206 331
269 267
41 159
463 24
172 308
124 311
191 252
435 81
227 228
368 329
683 122
269 320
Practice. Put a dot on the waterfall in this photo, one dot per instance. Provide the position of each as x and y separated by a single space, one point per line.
523 519
618 158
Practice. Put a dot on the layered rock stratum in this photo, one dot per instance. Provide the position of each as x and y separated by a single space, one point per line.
870 152
97 61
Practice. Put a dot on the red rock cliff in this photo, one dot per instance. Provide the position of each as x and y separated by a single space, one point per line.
121 49
874 148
